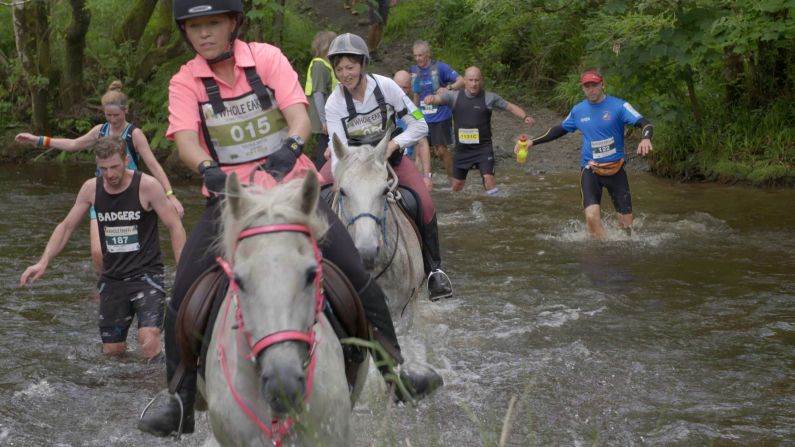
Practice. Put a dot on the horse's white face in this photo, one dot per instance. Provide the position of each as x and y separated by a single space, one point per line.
361 178
275 273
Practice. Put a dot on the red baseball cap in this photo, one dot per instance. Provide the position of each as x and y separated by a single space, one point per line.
590 76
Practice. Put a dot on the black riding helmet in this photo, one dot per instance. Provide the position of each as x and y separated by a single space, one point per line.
188 9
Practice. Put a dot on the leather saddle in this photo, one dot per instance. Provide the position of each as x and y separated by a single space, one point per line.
199 309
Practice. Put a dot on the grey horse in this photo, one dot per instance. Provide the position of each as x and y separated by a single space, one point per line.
275 373
366 190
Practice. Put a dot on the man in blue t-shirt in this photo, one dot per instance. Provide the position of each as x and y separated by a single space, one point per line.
601 120
431 77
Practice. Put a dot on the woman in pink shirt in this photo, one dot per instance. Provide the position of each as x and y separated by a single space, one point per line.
238 107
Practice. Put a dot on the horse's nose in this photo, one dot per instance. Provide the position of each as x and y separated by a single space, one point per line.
283 387
369 254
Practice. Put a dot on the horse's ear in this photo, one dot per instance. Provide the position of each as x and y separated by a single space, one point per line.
339 149
234 194
383 145
310 192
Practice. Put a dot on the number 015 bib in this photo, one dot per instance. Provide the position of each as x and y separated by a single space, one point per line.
245 131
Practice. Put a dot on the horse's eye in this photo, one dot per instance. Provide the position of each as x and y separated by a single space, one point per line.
386 191
342 192
311 273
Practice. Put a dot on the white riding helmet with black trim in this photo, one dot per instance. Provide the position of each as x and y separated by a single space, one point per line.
348 44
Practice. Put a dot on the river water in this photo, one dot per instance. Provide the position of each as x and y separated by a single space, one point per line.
683 334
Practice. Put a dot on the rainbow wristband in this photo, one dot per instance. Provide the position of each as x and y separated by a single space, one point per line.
47 141
41 140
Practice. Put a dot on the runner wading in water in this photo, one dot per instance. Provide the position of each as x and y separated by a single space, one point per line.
114 105
601 119
229 75
128 204
432 77
472 117
359 112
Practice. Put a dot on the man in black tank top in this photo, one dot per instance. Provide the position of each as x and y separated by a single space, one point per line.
128 204
472 116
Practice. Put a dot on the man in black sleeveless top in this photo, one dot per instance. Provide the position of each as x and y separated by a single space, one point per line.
472 117
128 204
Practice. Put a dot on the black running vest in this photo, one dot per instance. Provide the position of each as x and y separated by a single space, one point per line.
472 120
128 233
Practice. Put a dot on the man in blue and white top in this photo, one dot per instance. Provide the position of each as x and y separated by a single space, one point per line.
432 77
601 120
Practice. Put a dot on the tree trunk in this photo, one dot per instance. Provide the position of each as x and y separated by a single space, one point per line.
134 24
691 93
72 92
278 23
161 49
32 36
156 57
733 68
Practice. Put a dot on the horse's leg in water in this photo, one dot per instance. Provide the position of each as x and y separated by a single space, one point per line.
195 259
438 284
338 247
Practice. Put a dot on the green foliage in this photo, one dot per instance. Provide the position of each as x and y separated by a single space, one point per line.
717 78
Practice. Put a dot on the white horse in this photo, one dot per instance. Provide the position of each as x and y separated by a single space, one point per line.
366 191
275 373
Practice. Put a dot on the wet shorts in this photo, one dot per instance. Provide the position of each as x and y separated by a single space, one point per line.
466 158
119 301
380 12
617 186
440 133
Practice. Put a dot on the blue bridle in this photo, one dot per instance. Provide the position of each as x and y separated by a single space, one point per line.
381 221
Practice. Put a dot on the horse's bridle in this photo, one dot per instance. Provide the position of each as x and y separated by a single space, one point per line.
277 429
392 194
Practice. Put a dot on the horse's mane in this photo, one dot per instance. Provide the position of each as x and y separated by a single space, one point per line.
277 205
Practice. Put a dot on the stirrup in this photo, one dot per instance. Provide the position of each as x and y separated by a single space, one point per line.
428 285
178 436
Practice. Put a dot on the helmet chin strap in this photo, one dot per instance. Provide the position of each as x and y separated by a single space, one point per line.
361 75
226 54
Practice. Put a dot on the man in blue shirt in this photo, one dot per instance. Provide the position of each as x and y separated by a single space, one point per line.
601 119
431 77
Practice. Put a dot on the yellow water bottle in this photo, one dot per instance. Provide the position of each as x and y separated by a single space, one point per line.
521 154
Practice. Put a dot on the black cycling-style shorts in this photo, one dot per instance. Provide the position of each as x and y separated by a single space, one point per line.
142 296
440 134
617 186
466 158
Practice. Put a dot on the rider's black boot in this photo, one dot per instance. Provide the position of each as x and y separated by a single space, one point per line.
164 420
439 285
419 381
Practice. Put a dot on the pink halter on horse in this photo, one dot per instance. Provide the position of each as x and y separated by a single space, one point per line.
277 429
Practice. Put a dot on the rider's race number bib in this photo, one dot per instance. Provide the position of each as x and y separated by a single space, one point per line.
122 239
244 132
603 148
468 136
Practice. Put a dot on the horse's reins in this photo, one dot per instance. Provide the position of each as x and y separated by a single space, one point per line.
277 429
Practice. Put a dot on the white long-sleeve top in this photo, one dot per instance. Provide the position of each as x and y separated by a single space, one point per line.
396 103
